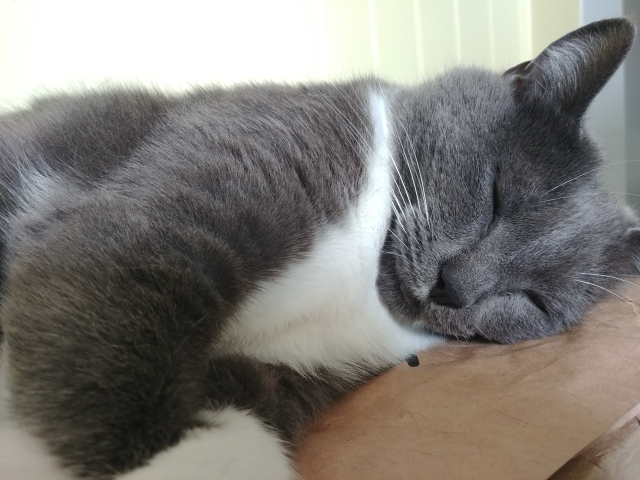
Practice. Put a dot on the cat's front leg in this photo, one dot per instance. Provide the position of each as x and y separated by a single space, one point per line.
232 444
255 414
111 323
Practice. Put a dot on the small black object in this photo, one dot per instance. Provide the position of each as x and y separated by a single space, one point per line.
412 360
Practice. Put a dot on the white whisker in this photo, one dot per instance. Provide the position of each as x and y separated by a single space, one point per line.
589 195
395 166
607 290
626 193
399 239
395 205
609 276
420 177
571 180
485 335
592 170
412 159
348 123
406 158
567 196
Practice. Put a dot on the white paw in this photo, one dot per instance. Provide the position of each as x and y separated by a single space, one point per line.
237 447
23 457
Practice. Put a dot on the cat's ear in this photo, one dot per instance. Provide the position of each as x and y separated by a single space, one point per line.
569 73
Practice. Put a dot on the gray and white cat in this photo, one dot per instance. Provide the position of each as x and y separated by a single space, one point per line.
188 280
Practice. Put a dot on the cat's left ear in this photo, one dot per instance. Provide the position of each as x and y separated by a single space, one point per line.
569 73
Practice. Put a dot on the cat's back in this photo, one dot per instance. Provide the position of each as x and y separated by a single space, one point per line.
274 136
306 142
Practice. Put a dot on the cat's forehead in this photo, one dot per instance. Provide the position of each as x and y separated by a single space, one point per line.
474 109
466 111
471 94
473 133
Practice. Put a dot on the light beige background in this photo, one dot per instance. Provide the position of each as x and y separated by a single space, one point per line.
48 45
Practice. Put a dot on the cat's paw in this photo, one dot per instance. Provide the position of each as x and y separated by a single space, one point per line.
237 447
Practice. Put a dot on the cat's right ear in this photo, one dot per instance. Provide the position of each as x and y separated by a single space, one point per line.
569 73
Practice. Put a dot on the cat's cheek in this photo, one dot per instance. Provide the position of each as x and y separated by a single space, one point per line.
510 318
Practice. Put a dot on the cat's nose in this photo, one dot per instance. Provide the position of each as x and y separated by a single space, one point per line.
458 286
444 293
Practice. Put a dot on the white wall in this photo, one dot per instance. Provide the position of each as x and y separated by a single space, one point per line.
632 111
613 117
64 44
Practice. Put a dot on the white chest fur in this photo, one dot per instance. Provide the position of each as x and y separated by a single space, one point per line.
325 309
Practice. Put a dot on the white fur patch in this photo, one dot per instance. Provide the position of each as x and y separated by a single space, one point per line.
325 310
23 457
4 388
37 190
236 447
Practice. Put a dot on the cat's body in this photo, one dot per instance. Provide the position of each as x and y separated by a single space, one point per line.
299 245
189 280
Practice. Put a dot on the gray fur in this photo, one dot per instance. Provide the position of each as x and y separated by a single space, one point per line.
160 214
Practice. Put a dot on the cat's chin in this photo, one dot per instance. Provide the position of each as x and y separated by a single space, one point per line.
506 317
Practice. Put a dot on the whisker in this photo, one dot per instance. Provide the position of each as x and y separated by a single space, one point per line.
355 111
420 177
415 162
399 200
348 123
406 158
626 193
407 201
364 142
400 215
399 239
592 170
367 146
610 276
571 180
588 195
485 335
404 186
568 196
607 290
412 174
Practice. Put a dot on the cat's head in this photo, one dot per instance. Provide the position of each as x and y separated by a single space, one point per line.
501 226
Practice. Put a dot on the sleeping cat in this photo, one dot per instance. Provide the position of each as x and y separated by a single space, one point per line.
188 280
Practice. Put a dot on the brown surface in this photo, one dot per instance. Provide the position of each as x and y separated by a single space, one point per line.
474 411
613 456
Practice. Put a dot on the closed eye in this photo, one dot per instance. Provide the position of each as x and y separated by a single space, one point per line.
495 205
536 300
